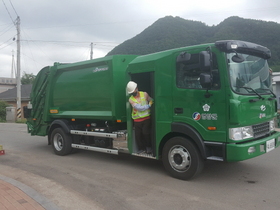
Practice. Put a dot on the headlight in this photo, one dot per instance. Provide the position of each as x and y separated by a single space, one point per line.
272 125
241 133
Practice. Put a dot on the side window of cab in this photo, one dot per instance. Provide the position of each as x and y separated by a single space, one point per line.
188 73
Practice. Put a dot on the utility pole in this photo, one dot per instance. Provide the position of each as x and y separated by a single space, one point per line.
91 50
17 23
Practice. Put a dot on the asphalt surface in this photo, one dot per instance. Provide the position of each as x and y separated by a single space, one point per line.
91 180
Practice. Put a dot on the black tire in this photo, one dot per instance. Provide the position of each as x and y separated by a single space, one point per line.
181 158
61 142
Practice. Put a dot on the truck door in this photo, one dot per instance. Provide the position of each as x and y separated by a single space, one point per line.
203 110
145 83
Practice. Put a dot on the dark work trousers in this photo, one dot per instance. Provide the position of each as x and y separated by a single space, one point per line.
143 134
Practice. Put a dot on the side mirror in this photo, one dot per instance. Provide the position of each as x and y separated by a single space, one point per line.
237 58
205 61
205 80
184 57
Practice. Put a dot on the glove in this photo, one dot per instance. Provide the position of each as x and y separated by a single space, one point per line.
151 103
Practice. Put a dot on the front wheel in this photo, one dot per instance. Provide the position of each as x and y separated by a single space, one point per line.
61 142
181 158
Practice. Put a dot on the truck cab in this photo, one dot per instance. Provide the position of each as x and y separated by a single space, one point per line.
212 101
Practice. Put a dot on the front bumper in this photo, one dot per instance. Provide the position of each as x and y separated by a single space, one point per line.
244 151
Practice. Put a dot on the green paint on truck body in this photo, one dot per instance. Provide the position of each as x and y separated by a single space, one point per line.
212 118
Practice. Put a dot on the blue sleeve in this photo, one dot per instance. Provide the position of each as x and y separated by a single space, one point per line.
141 108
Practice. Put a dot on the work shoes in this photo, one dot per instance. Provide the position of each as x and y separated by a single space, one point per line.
149 150
140 151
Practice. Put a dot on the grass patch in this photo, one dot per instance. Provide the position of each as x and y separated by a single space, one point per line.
21 121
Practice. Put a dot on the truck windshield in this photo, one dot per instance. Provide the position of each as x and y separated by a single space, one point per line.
252 76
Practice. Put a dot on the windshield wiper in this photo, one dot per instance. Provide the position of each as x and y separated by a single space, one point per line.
274 96
248 88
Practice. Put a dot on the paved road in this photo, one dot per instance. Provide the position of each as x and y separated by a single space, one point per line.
90 180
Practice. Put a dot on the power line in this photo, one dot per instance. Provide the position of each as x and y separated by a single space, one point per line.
74 43
8 12
13 7
7 41
92 24
6 46
78 42
6 30
35 45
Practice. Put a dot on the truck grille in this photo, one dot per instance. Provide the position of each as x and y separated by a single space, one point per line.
261 129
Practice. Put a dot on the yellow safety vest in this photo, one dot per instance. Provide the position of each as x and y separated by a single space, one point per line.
140 114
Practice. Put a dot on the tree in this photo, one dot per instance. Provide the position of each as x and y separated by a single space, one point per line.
27 78
3 105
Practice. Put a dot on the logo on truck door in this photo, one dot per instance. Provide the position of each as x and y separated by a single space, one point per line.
205 116
196 116
206 108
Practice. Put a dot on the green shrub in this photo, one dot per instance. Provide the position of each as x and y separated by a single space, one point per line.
21 121
3 105
275 68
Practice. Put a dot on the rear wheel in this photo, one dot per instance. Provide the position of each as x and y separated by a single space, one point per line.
61 142
181 158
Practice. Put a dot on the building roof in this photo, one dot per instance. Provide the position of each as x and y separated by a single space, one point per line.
11 94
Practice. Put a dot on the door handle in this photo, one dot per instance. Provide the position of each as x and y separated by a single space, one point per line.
178 110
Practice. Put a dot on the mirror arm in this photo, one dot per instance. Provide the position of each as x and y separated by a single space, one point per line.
207 94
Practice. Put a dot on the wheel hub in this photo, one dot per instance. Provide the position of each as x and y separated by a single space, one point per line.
58 142
179 158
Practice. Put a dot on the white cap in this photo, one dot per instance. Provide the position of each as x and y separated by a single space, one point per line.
131 86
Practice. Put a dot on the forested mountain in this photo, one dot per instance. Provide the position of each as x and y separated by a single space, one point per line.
172 32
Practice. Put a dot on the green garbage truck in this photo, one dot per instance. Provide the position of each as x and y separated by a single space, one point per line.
211 102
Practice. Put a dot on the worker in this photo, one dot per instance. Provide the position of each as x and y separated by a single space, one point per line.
141 103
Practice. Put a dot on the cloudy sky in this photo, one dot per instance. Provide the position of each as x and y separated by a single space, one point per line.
63 30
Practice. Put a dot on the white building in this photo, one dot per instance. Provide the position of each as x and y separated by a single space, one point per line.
7 83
